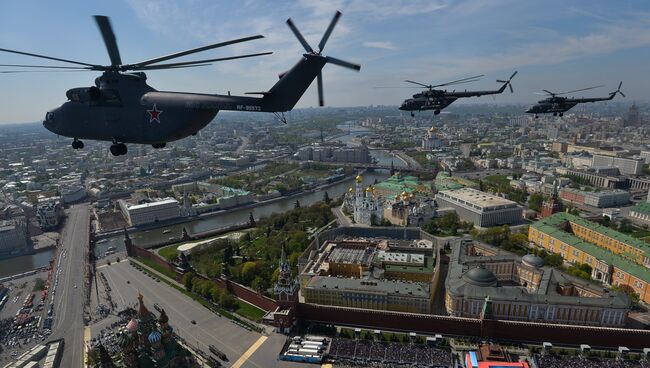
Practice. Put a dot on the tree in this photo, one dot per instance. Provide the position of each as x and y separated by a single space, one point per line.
449 223
629 291
227 254
188 279
326 198
258 284
216 294
553 260
248 272
625 226
228 301
535 201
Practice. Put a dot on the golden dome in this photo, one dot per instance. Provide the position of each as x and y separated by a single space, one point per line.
404 194
398 198
359 178
369 189
433 130
350 190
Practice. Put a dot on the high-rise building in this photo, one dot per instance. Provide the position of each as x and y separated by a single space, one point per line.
632 117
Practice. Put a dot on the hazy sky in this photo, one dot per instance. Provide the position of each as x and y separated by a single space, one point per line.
555 45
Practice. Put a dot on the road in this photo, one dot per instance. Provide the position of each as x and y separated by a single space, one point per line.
69 300
258 350
341 218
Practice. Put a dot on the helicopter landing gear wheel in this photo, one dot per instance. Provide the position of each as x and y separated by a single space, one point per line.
561 114
436 112
412 115
77 144
536 116
555 114
159 145
118 149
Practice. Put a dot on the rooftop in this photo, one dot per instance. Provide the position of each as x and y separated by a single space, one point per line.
643 208
163 202
550 226
466 277
349 255
386 287
478 198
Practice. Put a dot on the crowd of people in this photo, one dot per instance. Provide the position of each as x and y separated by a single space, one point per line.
561 361
350 352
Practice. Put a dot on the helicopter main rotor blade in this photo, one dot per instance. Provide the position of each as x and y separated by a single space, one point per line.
169 66
321 99
329 30
106 30
95 67
402 87
188 52
343 63
549 92
455 83
45 66
464 80
189 63
582 89
299 36
42 71
418 83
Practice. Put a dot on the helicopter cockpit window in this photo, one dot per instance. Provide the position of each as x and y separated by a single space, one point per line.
111 97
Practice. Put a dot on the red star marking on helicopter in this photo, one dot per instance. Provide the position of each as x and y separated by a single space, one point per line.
154 114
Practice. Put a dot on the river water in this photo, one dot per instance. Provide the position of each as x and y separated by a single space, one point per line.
220 220
26 263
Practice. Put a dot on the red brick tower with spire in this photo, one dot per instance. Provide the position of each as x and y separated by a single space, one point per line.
286 292
552 205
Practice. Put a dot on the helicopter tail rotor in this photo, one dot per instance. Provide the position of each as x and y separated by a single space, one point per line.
507 82
321 45
618 90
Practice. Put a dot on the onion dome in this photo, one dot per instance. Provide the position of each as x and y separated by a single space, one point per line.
398 198
124 339
480 277
155 337
359 179
533 260
132 326
350 190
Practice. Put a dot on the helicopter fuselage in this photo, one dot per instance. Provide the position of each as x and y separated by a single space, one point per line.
122 108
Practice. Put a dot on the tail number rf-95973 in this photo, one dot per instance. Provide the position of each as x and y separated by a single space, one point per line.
248 108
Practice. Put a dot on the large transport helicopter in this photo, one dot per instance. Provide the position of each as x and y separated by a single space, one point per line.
557 104
122 108
438 99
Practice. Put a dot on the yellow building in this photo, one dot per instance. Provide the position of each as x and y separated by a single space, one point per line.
483 279
615 258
